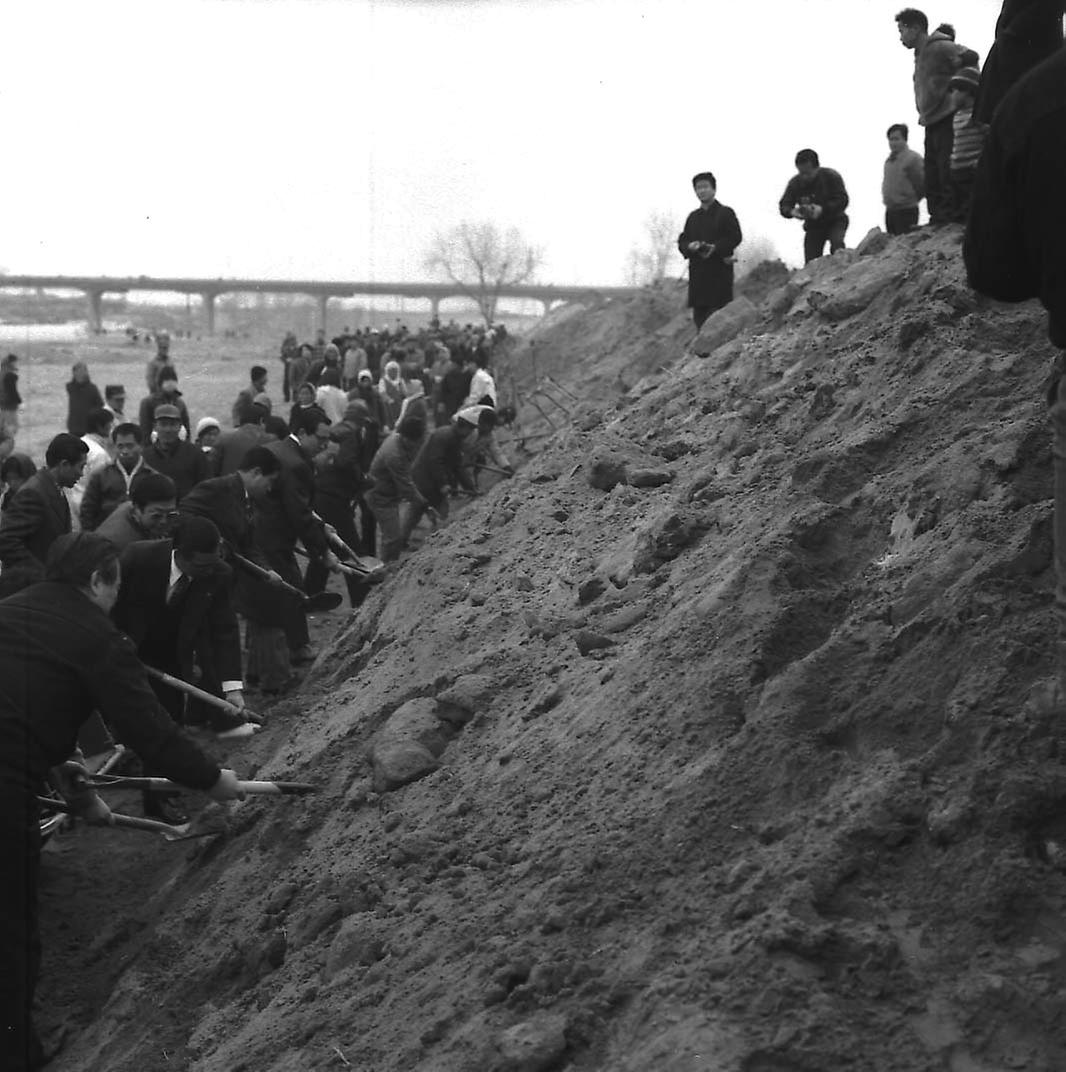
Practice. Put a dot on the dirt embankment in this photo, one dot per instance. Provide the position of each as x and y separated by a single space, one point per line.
727 763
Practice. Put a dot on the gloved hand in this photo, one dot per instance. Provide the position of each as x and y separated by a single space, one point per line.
72 781
227 787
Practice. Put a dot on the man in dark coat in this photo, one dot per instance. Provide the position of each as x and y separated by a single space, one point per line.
440 464
393 486
287 516
40 512
148 515
175 605
711 235
816 195
61 658
110 486
1013 246
184 462
234 444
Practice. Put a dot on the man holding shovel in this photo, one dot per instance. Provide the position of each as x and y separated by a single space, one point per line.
61 657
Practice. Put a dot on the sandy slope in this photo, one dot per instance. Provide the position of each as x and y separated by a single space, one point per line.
733 767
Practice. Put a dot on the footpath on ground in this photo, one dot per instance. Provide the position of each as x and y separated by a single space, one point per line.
714 740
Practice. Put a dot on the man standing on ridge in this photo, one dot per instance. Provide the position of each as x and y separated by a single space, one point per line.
904 182
711 234
816 195
936 58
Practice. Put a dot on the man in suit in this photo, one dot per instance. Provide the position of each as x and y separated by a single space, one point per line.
61 657
287 516
40 512
176 606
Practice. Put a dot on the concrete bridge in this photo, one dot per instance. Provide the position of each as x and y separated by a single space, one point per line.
95 287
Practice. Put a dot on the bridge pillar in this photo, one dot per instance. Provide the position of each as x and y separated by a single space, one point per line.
96 316
323 305
547 303
208 301
434 308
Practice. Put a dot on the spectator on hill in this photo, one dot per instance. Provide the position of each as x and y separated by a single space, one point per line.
109 487
257 386
10 399
167 394
169 454
968 141
1013 248
708 242
454 387
904 182
39 511
83 397
816 195
15 470
936 58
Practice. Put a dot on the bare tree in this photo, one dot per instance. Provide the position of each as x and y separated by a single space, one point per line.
481 260
648 262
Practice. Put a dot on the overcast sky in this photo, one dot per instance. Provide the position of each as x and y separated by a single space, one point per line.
332 138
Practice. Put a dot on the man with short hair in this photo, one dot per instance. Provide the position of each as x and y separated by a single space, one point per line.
816 195
708 241
234 444
936 58
161 361
147 515
110 486
115 401
258 377
97 438
173 456
61 658
904 182
40 512
393 486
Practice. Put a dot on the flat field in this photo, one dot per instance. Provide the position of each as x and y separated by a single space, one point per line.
210 373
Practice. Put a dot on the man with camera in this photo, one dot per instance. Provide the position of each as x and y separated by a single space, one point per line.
816 195
711 234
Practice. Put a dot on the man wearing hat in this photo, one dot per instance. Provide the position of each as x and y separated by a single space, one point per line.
184 462
936 58
968 141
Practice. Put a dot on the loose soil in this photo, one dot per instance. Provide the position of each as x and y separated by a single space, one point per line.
714 740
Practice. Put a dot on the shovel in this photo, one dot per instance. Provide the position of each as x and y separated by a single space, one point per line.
136 822
200 694
319 602
165 785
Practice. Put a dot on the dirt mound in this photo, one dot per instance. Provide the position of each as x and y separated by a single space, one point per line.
736 766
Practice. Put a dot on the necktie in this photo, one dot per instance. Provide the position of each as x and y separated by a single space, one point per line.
181 585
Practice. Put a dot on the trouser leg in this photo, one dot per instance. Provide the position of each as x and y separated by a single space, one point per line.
387 516
938 140
20 938
837 230
1058 424
813 244
700 314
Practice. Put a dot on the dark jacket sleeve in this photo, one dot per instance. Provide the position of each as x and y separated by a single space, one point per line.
731 236
225 635
835 196
296 494
122 693
21 521
788 199
145 418
90 513
684 238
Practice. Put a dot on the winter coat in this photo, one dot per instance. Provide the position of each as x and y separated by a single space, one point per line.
710 278
934 64
825 187
82 399
1013 245
904 182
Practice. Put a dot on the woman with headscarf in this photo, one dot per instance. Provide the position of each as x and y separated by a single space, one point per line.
393 391
83 396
